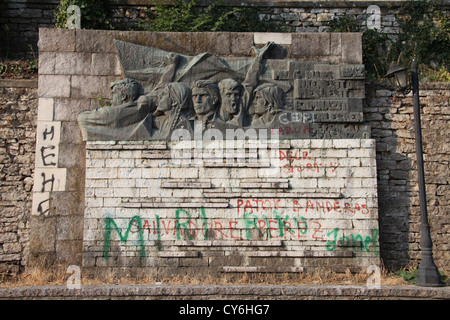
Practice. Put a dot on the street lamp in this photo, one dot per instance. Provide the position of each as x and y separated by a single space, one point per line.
428 274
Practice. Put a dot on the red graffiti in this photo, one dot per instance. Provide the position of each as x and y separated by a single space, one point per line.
255 205
296 162
289 130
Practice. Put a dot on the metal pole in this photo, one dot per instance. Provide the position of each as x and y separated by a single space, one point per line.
428 274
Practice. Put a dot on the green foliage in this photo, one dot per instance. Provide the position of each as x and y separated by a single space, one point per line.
184 16
408 276
425 36
411 276
95 14
374 45
343 24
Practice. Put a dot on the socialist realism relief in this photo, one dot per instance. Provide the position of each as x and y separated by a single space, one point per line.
165 94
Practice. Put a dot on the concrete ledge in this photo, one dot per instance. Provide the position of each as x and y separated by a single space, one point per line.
230 292
18 83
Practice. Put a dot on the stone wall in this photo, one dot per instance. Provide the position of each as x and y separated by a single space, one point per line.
59 237
76 68
263 206
392 121
18 109
21 20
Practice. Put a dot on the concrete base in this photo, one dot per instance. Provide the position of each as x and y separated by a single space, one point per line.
224 292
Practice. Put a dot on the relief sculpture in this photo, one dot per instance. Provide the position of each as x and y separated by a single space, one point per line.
165 91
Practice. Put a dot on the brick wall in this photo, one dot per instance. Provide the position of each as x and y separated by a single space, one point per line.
293 206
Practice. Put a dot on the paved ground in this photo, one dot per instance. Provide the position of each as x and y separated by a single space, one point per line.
225 292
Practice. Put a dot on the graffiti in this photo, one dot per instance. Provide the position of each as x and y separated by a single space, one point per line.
44 182
303 205
48 177
354 241
300 129
300 161
110 224
250 226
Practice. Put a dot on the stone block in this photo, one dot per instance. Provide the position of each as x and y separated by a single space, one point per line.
129 173
71 155
351 48
43 235
241 44
73 63
47 62
46 109
184 173
331 183
216 43
50 180
58 40
69 227
105 64
91 86
361 153
70 133
101 173
346 143
278 38
54 86
68 109
308 46
94 41
69 252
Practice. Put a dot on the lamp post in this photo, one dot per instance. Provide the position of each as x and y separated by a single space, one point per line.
428 274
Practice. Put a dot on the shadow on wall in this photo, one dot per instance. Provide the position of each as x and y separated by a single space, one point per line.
391 132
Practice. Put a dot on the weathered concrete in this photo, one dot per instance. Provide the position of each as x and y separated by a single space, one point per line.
225 292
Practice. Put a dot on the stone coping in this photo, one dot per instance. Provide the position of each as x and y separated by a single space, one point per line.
225 292
18 83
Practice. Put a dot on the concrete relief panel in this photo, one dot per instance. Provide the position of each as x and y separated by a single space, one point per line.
165 91
248 155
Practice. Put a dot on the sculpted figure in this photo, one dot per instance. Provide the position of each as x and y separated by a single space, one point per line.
171 62
206 100
123 119
173 109
269 101
237 98
230 92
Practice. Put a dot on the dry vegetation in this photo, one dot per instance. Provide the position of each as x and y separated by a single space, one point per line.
57 276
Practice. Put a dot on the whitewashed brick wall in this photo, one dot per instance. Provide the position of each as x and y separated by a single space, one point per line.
315 207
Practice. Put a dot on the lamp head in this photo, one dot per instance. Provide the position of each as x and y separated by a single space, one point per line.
398 76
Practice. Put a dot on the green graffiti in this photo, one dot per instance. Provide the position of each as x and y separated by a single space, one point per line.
250 222
205 222
304 230
111 224
354 241
283 224
158 232
184 225
266 221
276 226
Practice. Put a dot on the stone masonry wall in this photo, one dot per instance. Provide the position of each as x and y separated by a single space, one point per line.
287 206
58 237
18 112
20 20
392 121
